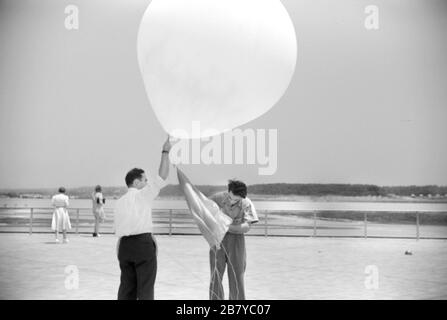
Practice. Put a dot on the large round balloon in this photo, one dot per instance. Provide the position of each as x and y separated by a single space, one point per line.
214 64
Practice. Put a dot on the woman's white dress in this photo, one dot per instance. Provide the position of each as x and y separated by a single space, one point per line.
98 206
61 219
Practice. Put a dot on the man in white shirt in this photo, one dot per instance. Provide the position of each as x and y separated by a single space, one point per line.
133 225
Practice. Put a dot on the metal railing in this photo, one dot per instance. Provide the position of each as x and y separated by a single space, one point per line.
272 223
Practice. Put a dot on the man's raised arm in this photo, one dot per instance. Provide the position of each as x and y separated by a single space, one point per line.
163 171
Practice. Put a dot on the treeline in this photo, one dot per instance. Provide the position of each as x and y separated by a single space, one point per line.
345 190
415 190
350 190
317 189
78 192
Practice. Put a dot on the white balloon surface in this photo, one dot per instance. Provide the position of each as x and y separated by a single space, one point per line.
214 63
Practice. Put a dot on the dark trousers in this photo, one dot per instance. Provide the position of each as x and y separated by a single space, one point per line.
232 254
138 264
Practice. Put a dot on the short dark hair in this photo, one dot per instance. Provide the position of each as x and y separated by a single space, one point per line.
98 188
61 190
238 188
133 174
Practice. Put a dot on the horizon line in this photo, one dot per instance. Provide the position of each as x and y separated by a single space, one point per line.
211 185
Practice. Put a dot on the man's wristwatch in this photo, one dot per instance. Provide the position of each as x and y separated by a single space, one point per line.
165 151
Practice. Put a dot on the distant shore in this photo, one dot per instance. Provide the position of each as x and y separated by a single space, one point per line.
293 198
336 198
332 198
268 192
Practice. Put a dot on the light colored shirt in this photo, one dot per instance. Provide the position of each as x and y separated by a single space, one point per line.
95 196
133 211
60 200
241 211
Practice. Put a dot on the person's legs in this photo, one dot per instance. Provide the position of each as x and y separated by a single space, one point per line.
217 265
56 225
146 268
64 232
128 285
95 225
96 229
98 223
102 217
146 274
236 266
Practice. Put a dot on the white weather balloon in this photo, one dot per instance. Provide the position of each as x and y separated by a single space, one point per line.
221 63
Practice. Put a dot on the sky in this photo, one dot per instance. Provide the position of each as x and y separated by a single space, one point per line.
364 106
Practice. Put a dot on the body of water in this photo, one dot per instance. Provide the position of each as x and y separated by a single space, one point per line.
260 205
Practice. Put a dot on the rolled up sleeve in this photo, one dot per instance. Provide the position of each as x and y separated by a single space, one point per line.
250 214
152 189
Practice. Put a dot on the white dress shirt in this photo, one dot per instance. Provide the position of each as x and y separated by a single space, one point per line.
133 211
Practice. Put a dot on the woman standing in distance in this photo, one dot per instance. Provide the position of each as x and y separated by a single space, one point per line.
98 209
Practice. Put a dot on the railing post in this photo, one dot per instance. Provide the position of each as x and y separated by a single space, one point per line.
77 221
265 223
31 221
417 225
315 224
365 221
170 222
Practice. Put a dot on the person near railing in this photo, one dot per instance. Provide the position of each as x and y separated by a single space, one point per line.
239 207
61 219
136 247
98 202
